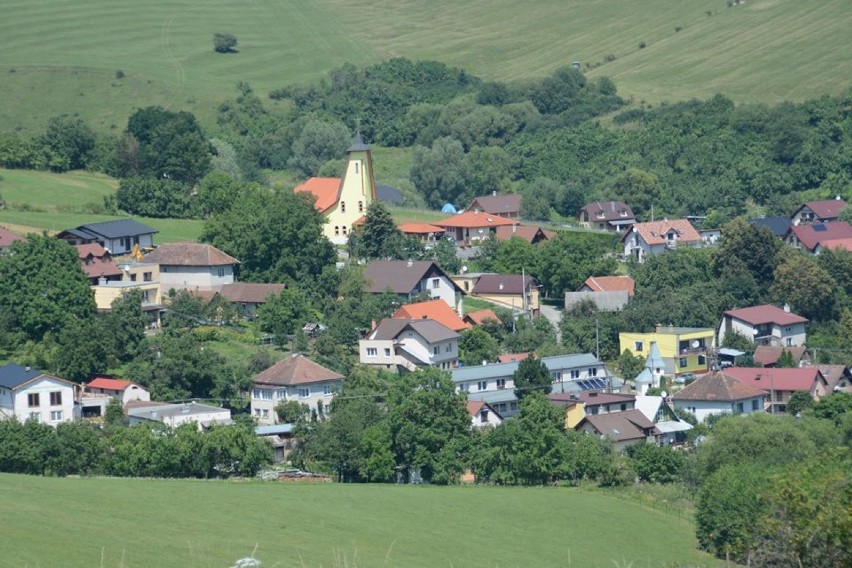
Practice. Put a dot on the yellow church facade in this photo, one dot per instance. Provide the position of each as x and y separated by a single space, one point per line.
344 201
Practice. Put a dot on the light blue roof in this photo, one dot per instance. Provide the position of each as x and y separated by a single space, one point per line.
274 429
449 208
554 363
654 361
645 376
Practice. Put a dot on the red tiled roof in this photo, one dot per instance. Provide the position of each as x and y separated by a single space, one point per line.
419 229
512 357
812 235
757 315
108 384
325 190
479 317
768 355
94 249
610 284
717 387
654 232
437 310
296 370
795 379
527 232
189 254
474 220
475 406
826 209
101 269
837 244
7 237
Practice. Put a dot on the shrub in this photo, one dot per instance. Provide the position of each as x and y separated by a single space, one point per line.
641 45
224 43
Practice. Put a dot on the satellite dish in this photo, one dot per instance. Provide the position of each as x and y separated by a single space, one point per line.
464 268
696 344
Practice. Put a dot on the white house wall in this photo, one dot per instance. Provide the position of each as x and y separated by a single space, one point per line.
703 409
195 277
316 393
44 386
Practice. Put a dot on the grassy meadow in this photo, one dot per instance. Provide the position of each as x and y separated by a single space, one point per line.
194 524
62 56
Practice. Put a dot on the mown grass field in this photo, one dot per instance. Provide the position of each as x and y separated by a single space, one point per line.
61 56
192 524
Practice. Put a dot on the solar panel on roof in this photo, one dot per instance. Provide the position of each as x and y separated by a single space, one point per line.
819 228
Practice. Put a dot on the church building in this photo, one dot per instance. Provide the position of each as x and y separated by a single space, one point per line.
344 201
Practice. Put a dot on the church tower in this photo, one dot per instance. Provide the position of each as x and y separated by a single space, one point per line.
357 191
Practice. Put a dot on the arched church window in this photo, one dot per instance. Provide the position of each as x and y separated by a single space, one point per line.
336 230
360 207
343 207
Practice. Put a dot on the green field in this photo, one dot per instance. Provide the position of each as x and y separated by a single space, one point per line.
61 56
146 523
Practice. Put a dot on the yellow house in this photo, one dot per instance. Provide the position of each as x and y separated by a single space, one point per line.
683 349
135 276
344 201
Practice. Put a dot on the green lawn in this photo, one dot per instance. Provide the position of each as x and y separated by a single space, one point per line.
164 523
61 56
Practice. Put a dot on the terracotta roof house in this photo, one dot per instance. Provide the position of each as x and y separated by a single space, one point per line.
779 384
825 211
97 263
7 237
512 357
843 243
482 414
609 293
408 344
508 206
765 325
424 232
613 216
472 226
768 355
294 377
657 237
625 429
118 237
31 394
192 266
810 238
777 225
343 201
718 393
512 291
409 278
479 317
99 391
528 233
437 310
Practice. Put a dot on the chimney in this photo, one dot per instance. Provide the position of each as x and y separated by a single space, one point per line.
494 194
787 308
838 198
410 263
501 285
102 281
514 229
484 362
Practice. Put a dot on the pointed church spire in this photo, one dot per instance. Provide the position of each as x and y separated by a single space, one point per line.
358 144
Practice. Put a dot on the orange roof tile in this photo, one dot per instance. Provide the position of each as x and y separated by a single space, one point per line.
610 284
437 310
526 232
837 244
108 384
419 228
473 220
512 357
325 190
654 233
479 317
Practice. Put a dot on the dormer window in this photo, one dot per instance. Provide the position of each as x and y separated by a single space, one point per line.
601 214
623 213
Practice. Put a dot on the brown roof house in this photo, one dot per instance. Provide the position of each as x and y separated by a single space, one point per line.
779 384
508 206
517 292
815 237
657 237
247 296
528 233
614 216
765 325
7 237
408 344
718 393
192 266
473 226
98 263
293 378
479 317
410 278
609 293
824 211
769 355
625 429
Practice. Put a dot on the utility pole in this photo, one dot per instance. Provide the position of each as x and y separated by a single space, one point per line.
597 340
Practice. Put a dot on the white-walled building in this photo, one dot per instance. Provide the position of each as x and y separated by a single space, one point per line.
30 394
192 266
293 378
410 343
657 237
717 393
410 278
765 325
119 237
174 415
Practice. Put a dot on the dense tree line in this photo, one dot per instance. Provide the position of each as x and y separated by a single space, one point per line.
131 451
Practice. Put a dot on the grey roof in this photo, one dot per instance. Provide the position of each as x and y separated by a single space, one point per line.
112 229
431 330
554 363
13 375
358 144
493 396
165 410
388 194
400 276
503 284
778 225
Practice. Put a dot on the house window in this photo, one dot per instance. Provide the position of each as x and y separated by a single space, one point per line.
464 387
755 404
35 417
33 400
279 394
220 271
779 396
304 392
264 413
594 410
702 360
739 408
387 351
436 350
513 406
360 207
164 269
372 352
326 389
575 373
449 348
264 394
55 415
623 407
133 278
343 229
483 416
789 342
638 346
593 372
147 276
788 329
146 296
501 384
482 385
682 362
56 398
343 207
436 283
257 412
